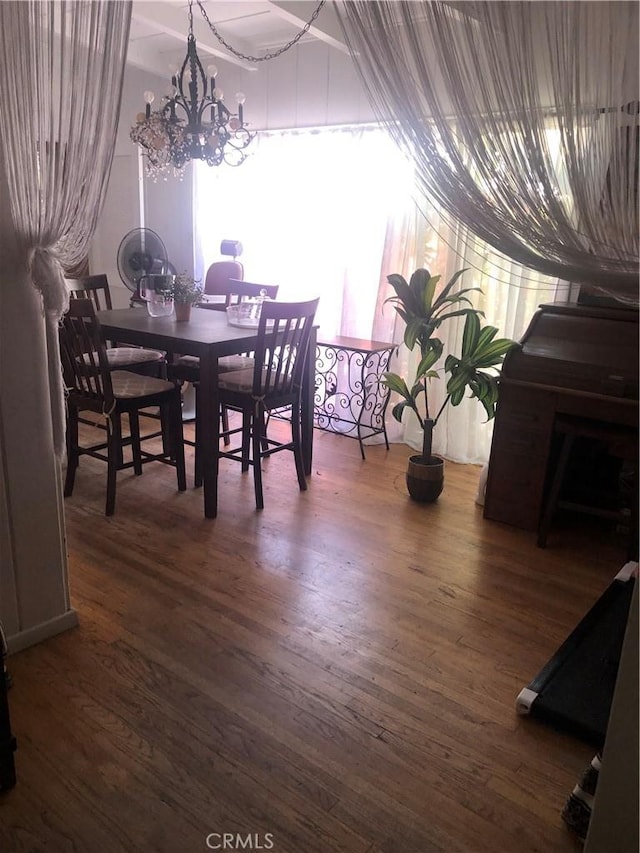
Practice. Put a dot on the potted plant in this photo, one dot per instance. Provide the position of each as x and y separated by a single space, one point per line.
186 291
475 369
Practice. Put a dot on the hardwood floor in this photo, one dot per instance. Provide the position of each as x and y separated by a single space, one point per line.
336 673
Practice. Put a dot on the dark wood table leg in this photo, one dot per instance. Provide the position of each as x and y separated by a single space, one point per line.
208 401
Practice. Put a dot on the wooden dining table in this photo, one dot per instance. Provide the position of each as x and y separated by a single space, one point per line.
208 336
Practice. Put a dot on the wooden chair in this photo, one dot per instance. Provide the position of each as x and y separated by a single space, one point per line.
239 290
186 368
93 386
149 362
273 382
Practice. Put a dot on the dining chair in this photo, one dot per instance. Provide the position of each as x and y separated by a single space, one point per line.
91 385
274 381
238 290
149 362
186 368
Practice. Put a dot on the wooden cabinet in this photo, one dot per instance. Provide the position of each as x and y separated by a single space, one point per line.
521 444
573 361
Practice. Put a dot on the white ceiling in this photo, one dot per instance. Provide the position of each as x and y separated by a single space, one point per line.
254 27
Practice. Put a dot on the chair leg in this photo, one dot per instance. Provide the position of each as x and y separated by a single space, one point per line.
114 459
265 443
554 492
246 439
297 447
632 547
134 427
165 427
225 426
175 419
197 475
257 420
73 454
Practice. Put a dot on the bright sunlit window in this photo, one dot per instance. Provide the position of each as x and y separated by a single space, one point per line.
312 209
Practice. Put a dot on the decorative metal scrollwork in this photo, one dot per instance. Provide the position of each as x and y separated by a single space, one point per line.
349 398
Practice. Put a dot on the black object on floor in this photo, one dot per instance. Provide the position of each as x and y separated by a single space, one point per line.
574 690
7 740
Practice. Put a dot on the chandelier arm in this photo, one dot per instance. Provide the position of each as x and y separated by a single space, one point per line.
271 54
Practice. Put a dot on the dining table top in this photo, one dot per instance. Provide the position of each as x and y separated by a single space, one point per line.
205 330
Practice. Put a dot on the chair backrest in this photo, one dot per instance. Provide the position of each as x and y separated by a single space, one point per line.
84 356
216 281
283 340
239 290
93 287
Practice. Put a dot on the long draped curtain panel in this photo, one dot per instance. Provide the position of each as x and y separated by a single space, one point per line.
57 140
332 212
470 90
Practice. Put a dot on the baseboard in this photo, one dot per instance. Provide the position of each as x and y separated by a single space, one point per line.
24 639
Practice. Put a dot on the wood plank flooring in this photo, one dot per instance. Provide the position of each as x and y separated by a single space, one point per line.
335 673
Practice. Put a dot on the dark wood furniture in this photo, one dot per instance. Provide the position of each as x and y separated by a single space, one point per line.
186 368
349 398
273 382
7 740
209 337
620 442
237 289
92 386
574 361
149 362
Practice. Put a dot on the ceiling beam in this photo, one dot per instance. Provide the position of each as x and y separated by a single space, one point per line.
171 21
147 59
326 27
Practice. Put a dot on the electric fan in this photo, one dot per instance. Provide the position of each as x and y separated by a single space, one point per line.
141 252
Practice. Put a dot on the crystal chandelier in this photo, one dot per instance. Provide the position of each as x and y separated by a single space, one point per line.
193 123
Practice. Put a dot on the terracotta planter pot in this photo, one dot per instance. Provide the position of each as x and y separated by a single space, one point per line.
425 480
183 311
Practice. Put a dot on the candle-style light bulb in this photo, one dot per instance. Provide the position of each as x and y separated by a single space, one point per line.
241 98
149 98
212 71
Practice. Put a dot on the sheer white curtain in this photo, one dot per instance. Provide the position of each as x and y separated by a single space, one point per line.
510 296
61 71
504 70
332 212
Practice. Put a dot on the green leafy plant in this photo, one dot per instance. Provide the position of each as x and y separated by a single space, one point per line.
475 369
186 290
